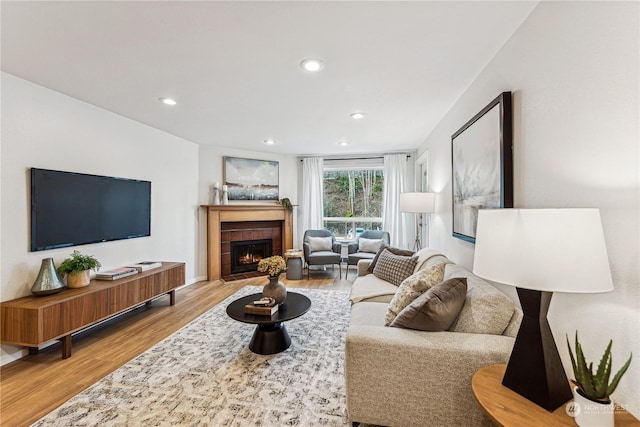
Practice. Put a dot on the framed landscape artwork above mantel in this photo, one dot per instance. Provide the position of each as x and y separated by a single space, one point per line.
482 165
251 180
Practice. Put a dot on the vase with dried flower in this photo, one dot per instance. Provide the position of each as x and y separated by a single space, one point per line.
274 266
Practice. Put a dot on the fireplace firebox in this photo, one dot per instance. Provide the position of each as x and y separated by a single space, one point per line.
246 254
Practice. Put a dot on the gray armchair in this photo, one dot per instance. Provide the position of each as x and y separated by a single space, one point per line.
355 255
324 255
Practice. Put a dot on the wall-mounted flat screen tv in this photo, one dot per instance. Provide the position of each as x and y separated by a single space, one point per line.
70 209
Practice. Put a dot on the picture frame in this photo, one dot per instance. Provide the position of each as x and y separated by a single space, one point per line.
482 165
251 179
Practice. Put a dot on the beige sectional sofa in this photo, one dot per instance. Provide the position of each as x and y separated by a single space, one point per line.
404 377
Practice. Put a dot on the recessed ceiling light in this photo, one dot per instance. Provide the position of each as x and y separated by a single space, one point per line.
357 115
168 101
269 141
343 143
312 65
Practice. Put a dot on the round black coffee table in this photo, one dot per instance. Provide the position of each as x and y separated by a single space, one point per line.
270 336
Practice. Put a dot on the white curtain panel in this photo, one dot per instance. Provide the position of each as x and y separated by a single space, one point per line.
312 179
395 172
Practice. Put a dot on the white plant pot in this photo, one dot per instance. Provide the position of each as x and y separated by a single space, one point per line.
589 413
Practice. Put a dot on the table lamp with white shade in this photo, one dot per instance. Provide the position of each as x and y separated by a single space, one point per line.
417 203
541 251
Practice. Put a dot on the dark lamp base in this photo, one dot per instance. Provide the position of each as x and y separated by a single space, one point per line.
535 370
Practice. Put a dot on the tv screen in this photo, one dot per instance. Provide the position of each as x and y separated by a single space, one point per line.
69 209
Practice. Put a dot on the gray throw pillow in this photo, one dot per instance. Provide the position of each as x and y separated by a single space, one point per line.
436 309
396 251
394 268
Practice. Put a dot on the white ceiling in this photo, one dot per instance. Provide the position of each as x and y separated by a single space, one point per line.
233 66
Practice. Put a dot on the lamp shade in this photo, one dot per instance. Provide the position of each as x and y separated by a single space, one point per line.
553 250
417 202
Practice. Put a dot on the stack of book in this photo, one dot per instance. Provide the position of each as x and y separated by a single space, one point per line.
116 273
145 265
261 307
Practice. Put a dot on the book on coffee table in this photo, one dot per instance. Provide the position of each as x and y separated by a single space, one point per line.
262 310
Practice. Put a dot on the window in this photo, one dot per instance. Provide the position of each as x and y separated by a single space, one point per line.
352 194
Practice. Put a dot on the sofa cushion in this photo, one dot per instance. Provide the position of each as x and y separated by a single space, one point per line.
368 314
394 268
371 288
436 309
317 244
397 251
486 310
369 245
412 287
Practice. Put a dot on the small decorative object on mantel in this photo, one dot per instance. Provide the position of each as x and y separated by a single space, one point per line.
215 189
265 306
77 269
274 266
286 203
48 282
591 394
225 195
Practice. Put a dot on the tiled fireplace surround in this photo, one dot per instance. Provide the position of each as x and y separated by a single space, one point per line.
227 223
243 231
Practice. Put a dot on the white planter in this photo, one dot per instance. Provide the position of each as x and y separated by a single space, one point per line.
592 414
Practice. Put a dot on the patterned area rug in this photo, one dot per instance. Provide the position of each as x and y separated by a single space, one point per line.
204 375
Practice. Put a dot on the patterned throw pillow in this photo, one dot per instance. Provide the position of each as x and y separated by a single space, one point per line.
411 288
396 251
320 243
394 268
436 309
369 245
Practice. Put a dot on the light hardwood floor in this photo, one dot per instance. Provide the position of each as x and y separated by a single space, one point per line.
37 384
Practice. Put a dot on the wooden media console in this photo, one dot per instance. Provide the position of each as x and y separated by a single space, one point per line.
32 321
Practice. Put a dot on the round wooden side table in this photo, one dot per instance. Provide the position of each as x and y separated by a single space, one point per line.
507 408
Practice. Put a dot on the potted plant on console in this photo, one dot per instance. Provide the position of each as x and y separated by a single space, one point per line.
592 391
77 269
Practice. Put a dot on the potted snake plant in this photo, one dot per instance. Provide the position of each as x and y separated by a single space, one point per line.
592 390
77 269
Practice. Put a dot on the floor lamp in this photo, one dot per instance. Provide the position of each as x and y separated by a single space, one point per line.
541 251
417 203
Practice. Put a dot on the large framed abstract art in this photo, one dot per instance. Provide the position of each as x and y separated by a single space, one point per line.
249 179
482 165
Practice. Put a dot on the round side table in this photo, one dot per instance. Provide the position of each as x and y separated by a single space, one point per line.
507 408
294 265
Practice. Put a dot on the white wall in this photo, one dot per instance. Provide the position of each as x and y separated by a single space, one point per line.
574 70
46 129
211 165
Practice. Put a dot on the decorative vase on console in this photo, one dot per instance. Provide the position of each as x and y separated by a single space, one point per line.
48 282
274 266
